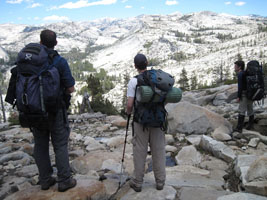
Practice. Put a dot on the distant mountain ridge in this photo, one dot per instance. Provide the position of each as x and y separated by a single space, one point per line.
3 54
199 42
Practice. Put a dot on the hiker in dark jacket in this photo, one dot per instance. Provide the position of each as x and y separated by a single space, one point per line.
58 129
245 104
143 136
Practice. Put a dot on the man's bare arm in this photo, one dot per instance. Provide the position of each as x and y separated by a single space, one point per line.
130 103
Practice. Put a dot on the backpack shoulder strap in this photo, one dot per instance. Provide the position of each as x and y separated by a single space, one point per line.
139 78
56 60
143 78
52 56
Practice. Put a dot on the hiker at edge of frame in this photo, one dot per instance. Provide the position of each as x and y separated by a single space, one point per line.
52 123
245 104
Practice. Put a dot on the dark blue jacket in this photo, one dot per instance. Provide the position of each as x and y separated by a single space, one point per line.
66 78
242 83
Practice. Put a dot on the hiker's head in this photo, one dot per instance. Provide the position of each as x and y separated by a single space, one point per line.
48 38
239 65
140 61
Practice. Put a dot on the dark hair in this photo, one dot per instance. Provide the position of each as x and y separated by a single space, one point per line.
140 61
48 38
241 64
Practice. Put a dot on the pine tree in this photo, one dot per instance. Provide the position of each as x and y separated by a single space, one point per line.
239 57
264 68
227 74
194 81
94 86
1 98
126 79
218 74
183 81
98 103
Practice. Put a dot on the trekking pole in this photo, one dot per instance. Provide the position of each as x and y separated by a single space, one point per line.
125 141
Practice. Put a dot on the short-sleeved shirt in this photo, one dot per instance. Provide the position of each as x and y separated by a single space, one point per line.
131 87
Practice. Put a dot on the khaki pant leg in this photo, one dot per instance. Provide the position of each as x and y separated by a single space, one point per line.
245 105
140 145
242 106
157 146
250 110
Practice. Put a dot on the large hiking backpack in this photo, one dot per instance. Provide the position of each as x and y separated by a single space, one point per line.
153 114
265 83
255 81
37 86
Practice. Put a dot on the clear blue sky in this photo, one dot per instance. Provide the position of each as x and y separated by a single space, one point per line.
47 11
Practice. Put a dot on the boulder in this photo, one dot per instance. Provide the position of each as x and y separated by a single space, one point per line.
169 139
92 144
242 164
114 142
220 134
111 165
188 155
188 176
194 139
257 170
192 119
198 193
28 171
218 149
256 187
242 196
117 121
254 142
170 148
94 161
219 99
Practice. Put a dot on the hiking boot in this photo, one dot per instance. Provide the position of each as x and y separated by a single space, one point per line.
46 185
250 123
159 186
240 123
135 188
63 186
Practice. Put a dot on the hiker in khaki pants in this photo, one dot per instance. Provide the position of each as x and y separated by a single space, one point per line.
142 136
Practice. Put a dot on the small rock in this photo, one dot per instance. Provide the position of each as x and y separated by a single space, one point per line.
188 155
244 148
169 139
254 142
170 148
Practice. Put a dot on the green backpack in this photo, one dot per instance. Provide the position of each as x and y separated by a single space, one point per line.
149 108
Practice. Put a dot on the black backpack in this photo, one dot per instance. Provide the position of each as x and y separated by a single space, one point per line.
153 114
37 86
255 81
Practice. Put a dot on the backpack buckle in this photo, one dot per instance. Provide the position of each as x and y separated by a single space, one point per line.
25 99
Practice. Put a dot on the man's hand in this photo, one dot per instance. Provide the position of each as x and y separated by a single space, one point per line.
70 90
238 100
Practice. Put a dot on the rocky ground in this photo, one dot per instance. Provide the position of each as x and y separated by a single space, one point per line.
203 162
